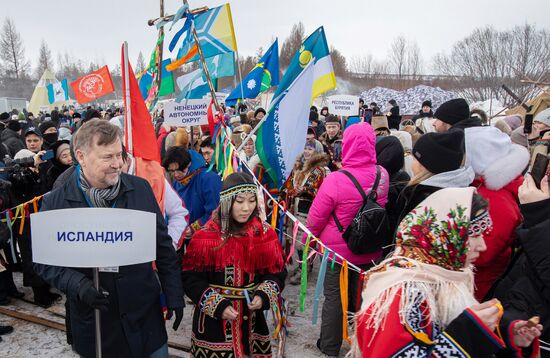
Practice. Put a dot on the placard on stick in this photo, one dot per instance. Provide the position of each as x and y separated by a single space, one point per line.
343 105
191 112
93 237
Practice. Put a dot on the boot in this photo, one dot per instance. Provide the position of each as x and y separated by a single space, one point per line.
43 297
6 329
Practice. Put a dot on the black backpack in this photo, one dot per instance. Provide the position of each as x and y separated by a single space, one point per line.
369 231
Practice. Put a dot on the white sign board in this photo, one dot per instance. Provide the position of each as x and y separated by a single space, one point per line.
190 112
343 105
44 108
93 237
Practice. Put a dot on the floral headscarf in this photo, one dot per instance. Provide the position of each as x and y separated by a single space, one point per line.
437 233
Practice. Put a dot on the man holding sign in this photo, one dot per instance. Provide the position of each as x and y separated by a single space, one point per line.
132 322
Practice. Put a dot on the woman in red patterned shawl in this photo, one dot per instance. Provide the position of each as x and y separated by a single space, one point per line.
420 302
233 270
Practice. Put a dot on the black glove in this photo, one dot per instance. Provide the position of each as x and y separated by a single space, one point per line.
89 295
179 316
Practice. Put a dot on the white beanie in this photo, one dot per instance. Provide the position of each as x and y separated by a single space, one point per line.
24 153
492 155
405 138
543 117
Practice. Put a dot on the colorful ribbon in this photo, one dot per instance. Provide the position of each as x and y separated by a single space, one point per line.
293 244
344 299
319 286
303 278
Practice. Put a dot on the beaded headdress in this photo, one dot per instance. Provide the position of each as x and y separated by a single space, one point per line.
233 185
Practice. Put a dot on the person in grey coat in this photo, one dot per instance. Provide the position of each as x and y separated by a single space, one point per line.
132 321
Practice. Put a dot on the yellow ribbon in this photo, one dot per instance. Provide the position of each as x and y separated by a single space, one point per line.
344 299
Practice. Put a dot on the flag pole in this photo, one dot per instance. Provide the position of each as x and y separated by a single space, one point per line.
204 67
239 73
127 100
97 316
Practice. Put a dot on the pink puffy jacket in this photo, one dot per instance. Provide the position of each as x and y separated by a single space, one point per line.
337 193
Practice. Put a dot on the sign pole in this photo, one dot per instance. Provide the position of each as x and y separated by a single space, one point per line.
97 317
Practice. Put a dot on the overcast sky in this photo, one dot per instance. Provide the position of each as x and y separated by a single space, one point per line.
95 29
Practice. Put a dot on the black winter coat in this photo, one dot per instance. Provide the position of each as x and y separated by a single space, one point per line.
134 324
525 289
411 196
13 141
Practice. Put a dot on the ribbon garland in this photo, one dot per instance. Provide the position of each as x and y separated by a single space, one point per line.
303 278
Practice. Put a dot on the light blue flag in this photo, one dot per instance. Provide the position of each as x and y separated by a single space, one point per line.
58 92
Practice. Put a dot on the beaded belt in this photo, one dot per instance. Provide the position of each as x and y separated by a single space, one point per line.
234 292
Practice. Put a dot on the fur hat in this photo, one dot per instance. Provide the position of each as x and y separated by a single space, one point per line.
379 122
170 141
182 138
503 126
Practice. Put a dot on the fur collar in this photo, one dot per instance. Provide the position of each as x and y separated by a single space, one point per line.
505 169
316 160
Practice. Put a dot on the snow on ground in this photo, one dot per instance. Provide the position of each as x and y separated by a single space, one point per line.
33 340
410 100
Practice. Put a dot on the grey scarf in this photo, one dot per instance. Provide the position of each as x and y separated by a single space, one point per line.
99 197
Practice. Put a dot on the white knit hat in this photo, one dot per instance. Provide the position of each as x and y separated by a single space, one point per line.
23 153
543 117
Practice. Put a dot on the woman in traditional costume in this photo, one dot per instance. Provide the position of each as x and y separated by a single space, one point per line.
233 270
420 301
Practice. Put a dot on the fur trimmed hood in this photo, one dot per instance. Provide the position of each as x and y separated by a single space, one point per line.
494 157
506 168
316 160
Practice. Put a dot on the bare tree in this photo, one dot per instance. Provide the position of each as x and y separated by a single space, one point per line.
338 63
398 55
488 58
291 44
140 63
414 59
361 64
12 51
44 60
69 67
259 54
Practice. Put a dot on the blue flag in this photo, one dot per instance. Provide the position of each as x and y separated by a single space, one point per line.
264 75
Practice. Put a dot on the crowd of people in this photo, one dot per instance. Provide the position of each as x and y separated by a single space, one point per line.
460 266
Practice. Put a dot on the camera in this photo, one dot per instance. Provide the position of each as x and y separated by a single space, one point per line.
17 165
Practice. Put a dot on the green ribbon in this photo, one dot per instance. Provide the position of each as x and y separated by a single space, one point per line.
303 279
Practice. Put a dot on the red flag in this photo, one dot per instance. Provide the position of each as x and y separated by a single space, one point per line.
213 118
93 85
144 142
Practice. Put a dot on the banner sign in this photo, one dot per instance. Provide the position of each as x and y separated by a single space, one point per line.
343 105
93 237
190 112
